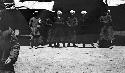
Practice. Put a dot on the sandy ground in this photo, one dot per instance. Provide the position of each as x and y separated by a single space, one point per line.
71 60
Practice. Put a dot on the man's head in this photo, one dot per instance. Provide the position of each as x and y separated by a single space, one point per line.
35 13
59 12
72 12
107 12
83 12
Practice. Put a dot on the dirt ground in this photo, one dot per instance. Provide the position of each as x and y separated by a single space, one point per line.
71 60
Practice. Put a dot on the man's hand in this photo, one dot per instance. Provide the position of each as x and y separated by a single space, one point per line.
8 61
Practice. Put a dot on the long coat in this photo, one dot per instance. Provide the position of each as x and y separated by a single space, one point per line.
72 22
58 33
9 48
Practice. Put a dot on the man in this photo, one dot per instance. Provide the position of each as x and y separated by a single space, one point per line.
83 14
34 24
72 22
9 51
58 36
106 34
45 26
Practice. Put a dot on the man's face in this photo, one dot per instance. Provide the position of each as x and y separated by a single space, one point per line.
59 13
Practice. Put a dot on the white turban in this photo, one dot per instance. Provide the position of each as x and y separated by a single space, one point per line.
83 12
72 11
59 12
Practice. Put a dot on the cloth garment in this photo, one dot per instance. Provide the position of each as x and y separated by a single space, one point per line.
9 48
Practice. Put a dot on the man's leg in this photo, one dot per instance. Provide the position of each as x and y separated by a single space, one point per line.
83 45
50 45
35 42
68 45
70 37
74 37
64 44
31 42
56 44
74 45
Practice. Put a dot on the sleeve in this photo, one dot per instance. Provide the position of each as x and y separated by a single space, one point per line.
30 22
110 18
101 34
15 47
68 23
101 19
76 21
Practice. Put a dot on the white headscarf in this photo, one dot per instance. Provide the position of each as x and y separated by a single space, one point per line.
83 12
72 11
59 12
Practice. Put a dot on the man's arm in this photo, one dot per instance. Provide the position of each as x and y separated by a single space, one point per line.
76 21
30 22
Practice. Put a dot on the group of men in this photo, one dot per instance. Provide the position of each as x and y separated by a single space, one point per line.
45 30
62 30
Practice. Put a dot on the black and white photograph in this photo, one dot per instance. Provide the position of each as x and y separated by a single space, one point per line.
62 36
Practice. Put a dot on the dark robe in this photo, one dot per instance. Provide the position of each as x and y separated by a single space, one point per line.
72 23
9 48
106 37
58 34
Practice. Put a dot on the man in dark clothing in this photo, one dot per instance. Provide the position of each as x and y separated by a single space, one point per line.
9 51
72 22
58 30
34 25
106 37
106 34
45 26
83 14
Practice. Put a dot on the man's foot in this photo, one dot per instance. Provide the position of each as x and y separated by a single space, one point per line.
56 45
64 45
68 45
50 45
74 45
83 45
30 47
111 47
36 47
